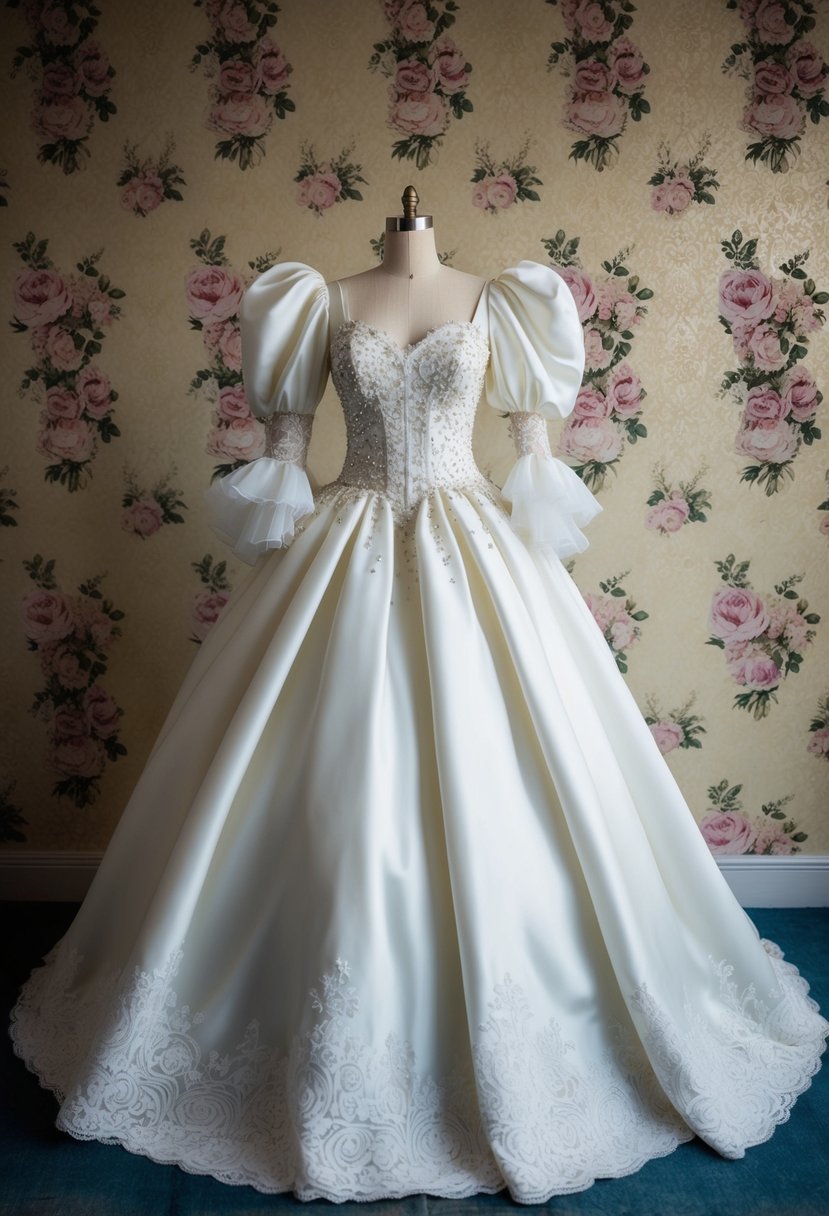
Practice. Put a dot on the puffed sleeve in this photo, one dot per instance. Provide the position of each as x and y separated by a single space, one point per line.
534 374
284 336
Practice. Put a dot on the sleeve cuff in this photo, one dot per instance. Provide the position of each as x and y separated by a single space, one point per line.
549 501
256 507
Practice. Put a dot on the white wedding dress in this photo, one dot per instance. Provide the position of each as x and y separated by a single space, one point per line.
406 898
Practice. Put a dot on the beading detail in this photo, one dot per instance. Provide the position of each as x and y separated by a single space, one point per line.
529 434
288 435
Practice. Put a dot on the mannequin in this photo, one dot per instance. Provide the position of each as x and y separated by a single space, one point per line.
410 292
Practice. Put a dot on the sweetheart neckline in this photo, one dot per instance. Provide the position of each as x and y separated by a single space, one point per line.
407 350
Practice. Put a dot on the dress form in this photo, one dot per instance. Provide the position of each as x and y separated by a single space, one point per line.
411 291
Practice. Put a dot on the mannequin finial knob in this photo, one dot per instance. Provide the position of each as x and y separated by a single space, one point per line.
410 199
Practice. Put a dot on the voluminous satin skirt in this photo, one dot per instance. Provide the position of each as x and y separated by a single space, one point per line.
406 898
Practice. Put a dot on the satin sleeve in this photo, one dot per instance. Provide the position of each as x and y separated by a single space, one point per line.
284 327
534 374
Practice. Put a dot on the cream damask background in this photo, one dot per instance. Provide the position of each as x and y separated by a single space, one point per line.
128 555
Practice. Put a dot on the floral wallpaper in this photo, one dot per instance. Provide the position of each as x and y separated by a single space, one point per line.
669 160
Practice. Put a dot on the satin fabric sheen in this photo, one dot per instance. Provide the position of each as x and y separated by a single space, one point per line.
406 898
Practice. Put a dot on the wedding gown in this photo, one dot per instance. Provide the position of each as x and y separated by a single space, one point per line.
406 898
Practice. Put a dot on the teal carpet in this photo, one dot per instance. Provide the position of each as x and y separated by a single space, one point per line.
44 1172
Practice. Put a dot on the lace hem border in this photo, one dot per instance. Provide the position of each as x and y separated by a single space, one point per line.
792 982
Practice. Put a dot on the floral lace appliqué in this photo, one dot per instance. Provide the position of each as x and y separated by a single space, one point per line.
334 1115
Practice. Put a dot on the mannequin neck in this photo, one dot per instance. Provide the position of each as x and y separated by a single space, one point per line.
410 255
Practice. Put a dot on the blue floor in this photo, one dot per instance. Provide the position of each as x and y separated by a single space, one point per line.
44 1172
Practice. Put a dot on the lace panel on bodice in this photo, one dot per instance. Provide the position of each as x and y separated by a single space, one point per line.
409 412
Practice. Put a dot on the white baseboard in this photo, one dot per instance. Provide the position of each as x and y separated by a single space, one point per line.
41 875
758 882
778 882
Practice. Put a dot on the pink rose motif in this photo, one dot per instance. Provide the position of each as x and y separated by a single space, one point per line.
241 439
823 526
47 616
142 518
755 670
778 115
501 191
233 403
764 403
770 23
450 65
61 350
625 390
773 442
659 198
66 666
95 391
804 317
68 118
596 355
745 295
738 614
623 632
62 403
59 80
727 832
40 297
96 623
772 77
819 742
668 515
93 67
668 734
596 113
147 192
241 114
602 609
237 76
231 19
420 114
78 757
581 287
129 195
213 293
66 439
68 722
590 439
591 403
102 714
230 346
413 76
480 197
673 196
799 393
805 62
592 22
786 295
272 68
625 307
53 21
324 190
206 608
568 12
627 66
413 22
100 309
772 840
592 76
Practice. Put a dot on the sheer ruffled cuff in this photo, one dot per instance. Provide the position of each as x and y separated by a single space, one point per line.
549 501
257 507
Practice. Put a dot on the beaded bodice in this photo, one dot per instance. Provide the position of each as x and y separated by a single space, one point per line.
410 411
